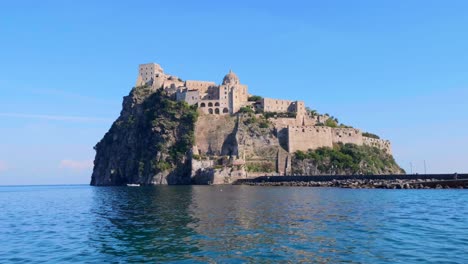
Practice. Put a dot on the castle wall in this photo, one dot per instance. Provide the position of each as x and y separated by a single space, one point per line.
210 93
148 71
378 143
191 97
347 135
239 96
281 122
282 106
202 86
312 137
218 107
276 105
308 137
300 107
300 120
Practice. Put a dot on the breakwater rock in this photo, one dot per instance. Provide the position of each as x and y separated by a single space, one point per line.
366 182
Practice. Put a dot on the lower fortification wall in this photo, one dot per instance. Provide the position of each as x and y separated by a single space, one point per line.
308 137
312 137
347 135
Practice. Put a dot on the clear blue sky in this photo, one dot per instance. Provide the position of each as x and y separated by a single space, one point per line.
395 68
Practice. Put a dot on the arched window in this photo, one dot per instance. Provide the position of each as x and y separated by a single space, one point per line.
202 105
210 110
217 111
210 104
225 110
216 104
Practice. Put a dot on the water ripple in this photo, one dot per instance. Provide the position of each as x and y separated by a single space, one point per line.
232 224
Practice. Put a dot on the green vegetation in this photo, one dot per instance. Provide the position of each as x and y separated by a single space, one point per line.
255 98
370 135
331 122
246 110
260 167
348 159
311 112
276 114
262 122
165 114
142 92
162 166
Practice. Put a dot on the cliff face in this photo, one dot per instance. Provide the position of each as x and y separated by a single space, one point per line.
148 144
234 147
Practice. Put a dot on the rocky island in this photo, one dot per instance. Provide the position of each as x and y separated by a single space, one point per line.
172 131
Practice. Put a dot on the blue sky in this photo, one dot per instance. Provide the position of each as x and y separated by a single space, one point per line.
395 68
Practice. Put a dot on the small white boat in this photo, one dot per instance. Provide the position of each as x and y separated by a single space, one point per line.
133 184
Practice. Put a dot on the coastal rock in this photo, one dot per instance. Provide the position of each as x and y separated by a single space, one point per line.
148 144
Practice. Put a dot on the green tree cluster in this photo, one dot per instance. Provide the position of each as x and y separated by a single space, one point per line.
255 98
246 110
370 135
279 114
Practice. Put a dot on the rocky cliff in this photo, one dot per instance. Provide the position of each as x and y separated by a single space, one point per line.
149 143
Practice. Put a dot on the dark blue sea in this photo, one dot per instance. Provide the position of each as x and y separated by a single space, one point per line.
231 224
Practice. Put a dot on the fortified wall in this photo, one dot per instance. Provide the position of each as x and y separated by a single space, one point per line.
313 137
308 137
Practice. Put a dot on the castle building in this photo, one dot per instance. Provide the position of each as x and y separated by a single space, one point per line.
211 98
226 98
282 106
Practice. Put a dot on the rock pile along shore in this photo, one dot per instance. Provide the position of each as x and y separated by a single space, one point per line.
372 184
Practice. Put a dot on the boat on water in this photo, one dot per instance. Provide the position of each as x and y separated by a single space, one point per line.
133 184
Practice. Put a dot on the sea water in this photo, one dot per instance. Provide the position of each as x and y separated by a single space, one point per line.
231 224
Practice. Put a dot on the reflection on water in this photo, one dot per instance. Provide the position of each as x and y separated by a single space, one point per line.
232 224
143 223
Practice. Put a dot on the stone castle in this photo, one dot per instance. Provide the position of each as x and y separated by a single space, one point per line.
295 126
